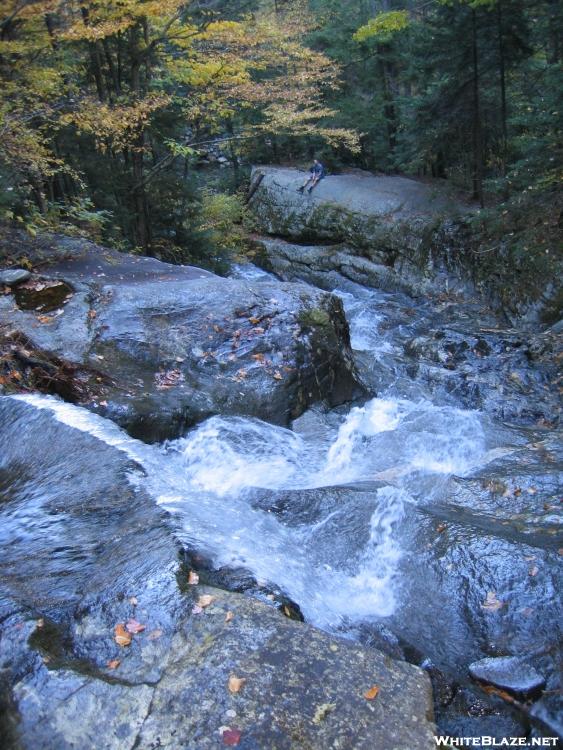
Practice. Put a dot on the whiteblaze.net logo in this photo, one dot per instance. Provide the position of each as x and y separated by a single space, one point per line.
493 742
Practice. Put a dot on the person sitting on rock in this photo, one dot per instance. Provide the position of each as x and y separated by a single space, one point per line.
316 174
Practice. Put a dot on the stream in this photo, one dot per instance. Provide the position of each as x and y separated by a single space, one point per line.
345 512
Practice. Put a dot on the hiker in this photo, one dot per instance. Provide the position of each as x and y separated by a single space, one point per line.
316 174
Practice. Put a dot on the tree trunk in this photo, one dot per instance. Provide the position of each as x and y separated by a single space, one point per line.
477 134
503 105
389 110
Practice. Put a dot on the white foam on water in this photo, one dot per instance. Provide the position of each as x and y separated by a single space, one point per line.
207 480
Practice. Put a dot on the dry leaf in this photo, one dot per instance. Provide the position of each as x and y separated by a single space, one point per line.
114 663
236 683
372 693
231 736
491 603
122 637
441 527
278 375
229 616
133 626
205 600
193 578
254 321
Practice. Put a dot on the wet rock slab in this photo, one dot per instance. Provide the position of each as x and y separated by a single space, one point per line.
508 673
177 344
83 548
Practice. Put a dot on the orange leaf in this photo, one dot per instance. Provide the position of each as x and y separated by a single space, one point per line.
114 663
122 637
372 693
229 616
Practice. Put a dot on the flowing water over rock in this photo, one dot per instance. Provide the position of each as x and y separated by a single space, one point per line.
355 514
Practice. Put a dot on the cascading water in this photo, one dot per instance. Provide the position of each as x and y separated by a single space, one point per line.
266 498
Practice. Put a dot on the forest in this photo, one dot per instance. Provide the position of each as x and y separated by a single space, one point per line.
113 111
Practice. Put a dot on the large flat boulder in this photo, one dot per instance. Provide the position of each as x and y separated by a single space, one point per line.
390 214
159 347
83 548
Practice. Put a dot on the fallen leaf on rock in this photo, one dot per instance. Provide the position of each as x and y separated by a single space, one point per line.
229 616
168 379
133 626
205 600
441 527
232 736
254 321
92 314
236 683
372 693
44 319
491 603
323 711
258 357
122 637
278 375
193 578
114 663
154 634
133 600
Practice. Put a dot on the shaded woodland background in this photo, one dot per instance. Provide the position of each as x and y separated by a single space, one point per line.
134 122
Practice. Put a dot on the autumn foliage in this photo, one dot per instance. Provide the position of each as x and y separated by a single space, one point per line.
132 86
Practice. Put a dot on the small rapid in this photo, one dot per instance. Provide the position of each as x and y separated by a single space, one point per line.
317 510
336 558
